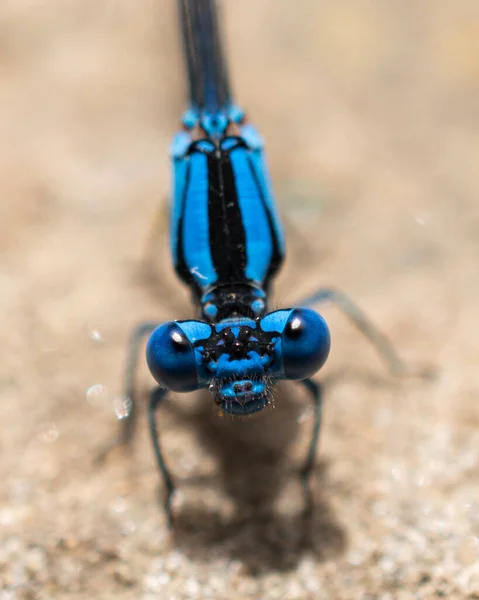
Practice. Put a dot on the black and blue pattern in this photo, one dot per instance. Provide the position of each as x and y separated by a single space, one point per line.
227 245
225 227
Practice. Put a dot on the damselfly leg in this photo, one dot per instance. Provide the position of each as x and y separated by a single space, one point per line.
128 398
157 396
395 365
306 470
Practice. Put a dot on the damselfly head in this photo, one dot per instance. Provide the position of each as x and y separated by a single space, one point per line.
238 359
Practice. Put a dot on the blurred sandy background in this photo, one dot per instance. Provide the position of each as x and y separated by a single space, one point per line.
370 112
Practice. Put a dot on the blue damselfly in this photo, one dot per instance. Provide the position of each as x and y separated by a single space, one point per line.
227 245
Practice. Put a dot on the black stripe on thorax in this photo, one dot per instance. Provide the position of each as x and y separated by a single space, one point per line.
227 236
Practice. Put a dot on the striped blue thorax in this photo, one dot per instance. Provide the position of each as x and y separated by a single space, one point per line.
227 244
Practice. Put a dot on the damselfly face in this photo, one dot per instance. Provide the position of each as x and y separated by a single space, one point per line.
239 359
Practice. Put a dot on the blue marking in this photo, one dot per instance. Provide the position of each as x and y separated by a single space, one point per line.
180 144
228 143
214 124
228 388
195 330
190 118
252 138
253 365
210 311
178 149
258 164
206 145
257 306
255 142
259 247
235 113
208 297
264 360
195 224
235 322
275 321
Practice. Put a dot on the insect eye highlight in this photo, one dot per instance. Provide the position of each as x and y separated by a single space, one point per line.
294 328
305 344
179 341
171 358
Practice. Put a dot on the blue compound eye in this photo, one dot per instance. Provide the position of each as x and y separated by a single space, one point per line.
171 358
305 343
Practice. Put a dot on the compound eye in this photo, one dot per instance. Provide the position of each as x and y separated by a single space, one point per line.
305 342
171 358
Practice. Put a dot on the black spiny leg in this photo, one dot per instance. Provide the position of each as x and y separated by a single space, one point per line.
383 346
127 426
157 396
305 473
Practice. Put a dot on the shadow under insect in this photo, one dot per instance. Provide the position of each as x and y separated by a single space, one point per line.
269 522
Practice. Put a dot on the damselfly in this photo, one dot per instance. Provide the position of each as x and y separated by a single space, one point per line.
227 245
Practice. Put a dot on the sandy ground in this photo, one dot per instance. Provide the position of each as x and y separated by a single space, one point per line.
370 113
